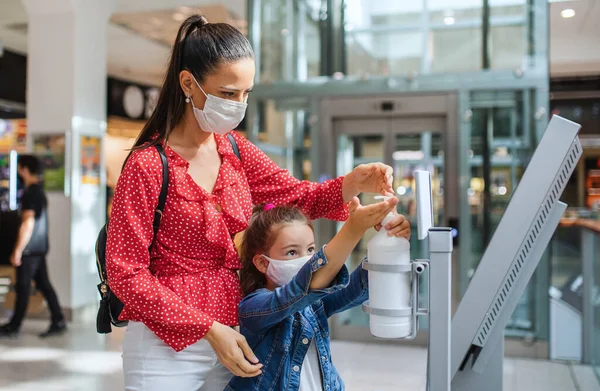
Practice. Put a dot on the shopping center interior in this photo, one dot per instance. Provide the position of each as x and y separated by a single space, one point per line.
464 89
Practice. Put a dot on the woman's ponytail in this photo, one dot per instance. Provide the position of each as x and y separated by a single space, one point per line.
200 47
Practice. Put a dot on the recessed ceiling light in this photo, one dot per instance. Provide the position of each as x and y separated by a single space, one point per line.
179 17
185 10
567 13
449 20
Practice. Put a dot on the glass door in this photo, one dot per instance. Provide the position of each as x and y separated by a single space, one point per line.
359 141
406 144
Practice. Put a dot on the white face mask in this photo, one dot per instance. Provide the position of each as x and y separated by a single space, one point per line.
282 272
219 115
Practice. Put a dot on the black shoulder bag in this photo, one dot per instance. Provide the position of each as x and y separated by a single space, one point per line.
110 305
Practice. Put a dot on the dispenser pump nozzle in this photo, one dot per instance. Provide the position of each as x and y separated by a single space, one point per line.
390 215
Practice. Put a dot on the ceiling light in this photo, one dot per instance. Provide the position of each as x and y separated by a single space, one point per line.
179 17
449 20
567 13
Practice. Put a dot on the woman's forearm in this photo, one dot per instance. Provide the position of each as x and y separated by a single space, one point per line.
349 188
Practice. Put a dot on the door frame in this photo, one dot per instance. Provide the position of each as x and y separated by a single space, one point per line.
404 106
411 107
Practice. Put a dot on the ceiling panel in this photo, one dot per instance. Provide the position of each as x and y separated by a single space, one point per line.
142 31
162 25
575 42
237 7
135 58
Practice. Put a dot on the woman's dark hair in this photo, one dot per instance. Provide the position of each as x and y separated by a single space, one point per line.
259 237
200 47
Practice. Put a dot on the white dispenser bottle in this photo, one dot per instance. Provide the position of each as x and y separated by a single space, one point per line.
390 291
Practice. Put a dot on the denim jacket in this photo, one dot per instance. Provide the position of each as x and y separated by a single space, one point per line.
280 324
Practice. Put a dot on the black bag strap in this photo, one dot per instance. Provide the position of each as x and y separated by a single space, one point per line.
234 145
162 198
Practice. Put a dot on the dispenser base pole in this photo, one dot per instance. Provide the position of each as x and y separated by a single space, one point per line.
440 291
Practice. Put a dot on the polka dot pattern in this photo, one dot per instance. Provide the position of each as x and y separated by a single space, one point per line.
189 279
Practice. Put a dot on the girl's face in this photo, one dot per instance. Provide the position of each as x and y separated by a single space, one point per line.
293 241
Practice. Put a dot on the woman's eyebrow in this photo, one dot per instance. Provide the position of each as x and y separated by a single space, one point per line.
235 89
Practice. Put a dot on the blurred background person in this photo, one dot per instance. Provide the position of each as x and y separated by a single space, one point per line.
29 254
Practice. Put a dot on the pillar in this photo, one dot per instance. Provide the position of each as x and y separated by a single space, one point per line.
66 99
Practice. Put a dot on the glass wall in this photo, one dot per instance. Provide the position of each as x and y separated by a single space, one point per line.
390 37
282 133
502 111
501 143
290 39
396 37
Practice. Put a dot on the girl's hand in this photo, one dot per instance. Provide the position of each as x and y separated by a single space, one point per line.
368 178
340 247
399 227
233 351
364 217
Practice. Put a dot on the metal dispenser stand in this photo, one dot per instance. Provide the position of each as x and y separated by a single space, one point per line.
440 288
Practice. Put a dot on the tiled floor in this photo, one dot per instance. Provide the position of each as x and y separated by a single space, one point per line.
83 360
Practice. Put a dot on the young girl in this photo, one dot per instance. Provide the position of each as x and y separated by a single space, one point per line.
291 289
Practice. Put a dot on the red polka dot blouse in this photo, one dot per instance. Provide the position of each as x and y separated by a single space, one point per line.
189 279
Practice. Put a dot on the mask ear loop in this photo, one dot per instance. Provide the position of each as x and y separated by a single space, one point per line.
188 97
198 84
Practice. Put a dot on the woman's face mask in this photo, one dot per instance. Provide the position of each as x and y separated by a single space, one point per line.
219 115
281 272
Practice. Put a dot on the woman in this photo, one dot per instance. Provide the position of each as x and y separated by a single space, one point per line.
181 297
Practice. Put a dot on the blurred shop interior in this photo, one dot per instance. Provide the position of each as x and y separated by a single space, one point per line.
462 88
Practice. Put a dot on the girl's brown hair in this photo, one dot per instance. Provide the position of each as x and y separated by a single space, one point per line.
260 236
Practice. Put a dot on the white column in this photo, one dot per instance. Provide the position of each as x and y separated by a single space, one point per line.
66 95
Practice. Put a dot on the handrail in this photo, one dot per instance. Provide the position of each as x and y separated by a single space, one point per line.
591 224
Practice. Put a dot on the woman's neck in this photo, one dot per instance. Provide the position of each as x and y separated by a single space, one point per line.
187 134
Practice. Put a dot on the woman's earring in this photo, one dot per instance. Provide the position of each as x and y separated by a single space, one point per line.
187 99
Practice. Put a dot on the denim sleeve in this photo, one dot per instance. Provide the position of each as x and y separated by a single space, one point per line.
355 293
263 309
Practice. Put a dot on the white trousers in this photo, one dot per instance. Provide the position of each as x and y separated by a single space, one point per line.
151 365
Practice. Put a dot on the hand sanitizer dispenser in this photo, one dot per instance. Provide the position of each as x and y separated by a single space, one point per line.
393 303
389 290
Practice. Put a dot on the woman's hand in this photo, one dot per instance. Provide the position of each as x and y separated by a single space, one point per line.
364 217
233 351
399 227
368 178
